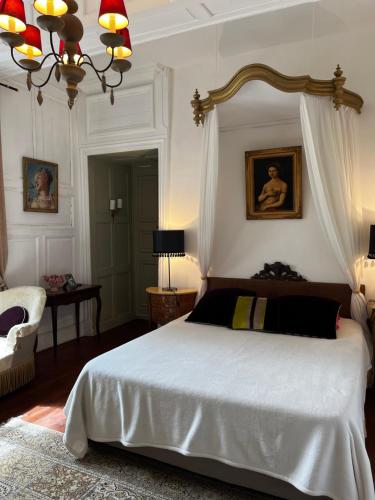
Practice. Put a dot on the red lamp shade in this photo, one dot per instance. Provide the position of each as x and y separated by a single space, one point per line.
12 15
62 48
112 15
126 48
33 43
64 55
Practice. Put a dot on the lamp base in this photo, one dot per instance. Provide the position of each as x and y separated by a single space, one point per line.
169 289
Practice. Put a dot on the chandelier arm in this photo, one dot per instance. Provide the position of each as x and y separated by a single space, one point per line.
99 77
90 63
57 57
93 67
117 84
27 69
48 77
15 60
43 61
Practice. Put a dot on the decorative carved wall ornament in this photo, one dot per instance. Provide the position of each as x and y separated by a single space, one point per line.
278 271
332 88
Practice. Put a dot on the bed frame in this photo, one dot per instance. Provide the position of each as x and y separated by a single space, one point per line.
259 483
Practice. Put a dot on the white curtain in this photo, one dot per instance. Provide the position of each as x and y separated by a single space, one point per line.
207 205
3 229
330 140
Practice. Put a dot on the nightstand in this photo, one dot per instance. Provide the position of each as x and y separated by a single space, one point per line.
167 306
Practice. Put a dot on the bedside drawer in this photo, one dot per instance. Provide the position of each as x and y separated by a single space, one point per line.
165 306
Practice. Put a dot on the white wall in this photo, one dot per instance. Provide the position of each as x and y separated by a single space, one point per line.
39 243
242 246
351 46
59 243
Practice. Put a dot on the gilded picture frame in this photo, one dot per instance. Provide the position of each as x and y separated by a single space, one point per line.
40 186
274 183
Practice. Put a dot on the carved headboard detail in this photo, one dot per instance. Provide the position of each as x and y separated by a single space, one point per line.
278 271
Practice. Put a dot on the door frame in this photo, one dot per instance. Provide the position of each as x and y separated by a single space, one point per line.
81 213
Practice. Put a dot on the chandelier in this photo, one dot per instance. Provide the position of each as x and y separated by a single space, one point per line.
57 16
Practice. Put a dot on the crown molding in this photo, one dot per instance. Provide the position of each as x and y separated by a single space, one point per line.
271 123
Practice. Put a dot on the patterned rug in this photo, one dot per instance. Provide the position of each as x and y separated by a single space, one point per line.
34 463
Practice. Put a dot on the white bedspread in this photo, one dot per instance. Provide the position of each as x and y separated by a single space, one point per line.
289 407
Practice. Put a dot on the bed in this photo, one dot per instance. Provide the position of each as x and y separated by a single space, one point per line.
278 413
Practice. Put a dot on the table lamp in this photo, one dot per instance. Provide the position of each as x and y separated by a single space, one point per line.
169 243
371 251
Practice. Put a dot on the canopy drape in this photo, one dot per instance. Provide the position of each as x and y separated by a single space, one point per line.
3 228
208 194
330 141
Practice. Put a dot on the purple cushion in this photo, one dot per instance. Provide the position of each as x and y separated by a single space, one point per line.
13 316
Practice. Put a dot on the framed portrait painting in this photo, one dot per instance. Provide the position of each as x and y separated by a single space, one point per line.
40 186
273 183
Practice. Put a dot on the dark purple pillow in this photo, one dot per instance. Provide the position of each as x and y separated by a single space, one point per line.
14 316
308 316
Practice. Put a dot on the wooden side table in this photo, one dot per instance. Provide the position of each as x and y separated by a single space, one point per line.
167 306
64 298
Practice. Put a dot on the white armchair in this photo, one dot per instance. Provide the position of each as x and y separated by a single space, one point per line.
17 364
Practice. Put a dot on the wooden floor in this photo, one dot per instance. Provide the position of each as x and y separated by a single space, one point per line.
42 400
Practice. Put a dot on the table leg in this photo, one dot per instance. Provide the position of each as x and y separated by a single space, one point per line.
98 311
77 305
54 328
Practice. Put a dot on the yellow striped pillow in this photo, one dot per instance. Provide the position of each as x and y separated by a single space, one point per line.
250 313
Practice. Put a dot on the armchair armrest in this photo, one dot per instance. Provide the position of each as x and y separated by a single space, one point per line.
19 331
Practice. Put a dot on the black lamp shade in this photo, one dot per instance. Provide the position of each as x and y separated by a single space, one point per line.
169 243
371 251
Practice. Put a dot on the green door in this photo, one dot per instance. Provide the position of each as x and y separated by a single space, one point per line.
111 240
145 220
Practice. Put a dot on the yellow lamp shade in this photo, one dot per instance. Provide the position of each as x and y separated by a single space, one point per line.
29 50
120 52
11 24
112 15
12 16
113 22
125 50
51 7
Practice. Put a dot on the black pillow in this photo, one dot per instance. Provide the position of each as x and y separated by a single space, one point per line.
308 316
216 307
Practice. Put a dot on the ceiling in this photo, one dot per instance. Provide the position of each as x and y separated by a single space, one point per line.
257 104
294 21
156 19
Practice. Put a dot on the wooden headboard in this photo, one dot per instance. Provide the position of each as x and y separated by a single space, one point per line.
275 288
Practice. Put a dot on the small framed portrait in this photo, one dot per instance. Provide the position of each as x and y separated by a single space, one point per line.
70 283
40 186
274 183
